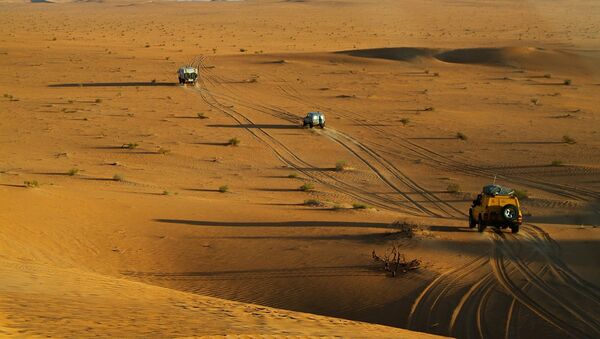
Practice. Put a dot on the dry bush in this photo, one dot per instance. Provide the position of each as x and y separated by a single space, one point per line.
394 262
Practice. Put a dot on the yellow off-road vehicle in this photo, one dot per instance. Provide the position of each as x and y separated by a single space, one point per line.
496 206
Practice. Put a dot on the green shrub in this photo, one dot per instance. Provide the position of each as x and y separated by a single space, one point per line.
73 171
233 142
341 166
453 188
567 82
31 183
461 136
568 140
556 163
404 121
224 189
359 206
307 187
293 175
130 145
313 203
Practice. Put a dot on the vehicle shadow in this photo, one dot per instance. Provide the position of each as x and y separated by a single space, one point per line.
259 126
276 223
116 84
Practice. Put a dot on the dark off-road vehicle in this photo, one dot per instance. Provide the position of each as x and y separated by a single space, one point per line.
496 206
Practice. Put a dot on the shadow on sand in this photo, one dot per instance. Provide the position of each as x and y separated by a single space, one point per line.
116 84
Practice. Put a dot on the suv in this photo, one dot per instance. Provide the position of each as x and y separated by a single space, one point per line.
314 118
187 75
496 206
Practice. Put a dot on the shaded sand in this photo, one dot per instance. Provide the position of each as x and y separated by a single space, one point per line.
113 222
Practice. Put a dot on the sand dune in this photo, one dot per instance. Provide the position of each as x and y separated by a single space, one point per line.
516 57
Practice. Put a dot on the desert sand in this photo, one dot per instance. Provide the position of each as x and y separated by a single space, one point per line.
126 213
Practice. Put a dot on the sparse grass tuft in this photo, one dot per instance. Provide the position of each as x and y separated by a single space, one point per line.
461 136
164 151
341 166
224 189
233 142
293 175
568 140
453 188
312 203
404 121
359 206
556 163
521 194
307 186
31 183
130 145
117 177
73 171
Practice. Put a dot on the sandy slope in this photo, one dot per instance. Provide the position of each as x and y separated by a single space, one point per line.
146 254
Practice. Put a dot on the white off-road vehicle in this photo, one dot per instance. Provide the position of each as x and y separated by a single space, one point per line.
313 119
187 75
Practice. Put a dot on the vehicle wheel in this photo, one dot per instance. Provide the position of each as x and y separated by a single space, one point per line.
322 125
510 213
472 222
310 125
480 225
514 228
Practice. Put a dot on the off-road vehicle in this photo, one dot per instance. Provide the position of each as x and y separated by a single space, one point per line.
496 206
187 75
313 119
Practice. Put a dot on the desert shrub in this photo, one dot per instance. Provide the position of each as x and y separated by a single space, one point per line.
293 175
341 166
224 189
359 206
164 151
461 136
521 194
233 142
429 109
130 145
201 115
568 140
98 100
313 203
307 186
547 75
453 188
337 207
165 192
242 50
556 163
404 121
31 183
117 177
567 82
535 101
73 171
